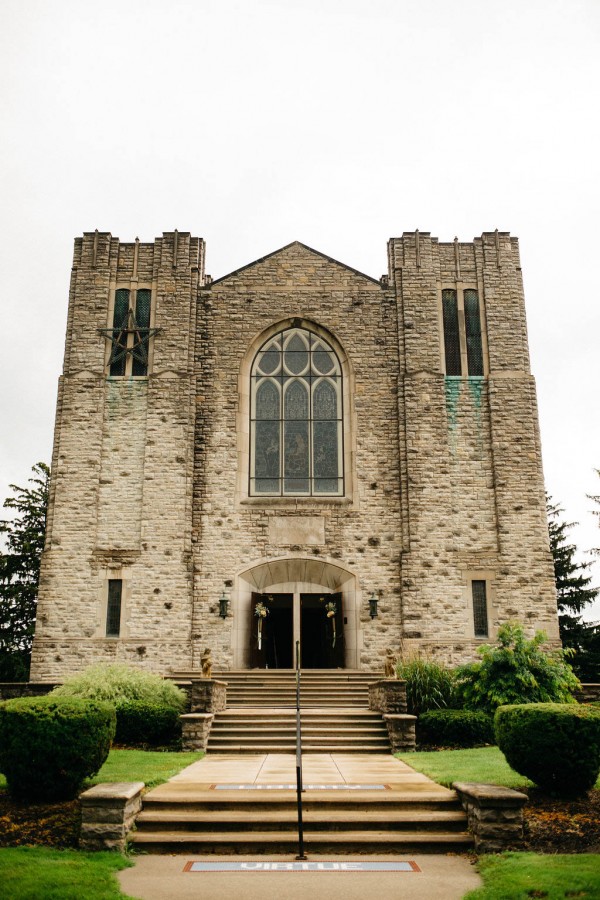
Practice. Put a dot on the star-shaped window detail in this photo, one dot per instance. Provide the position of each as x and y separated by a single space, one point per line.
130 334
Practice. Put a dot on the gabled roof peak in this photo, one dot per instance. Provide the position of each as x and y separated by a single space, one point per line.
324 256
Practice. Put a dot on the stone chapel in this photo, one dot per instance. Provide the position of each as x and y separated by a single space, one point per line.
293 452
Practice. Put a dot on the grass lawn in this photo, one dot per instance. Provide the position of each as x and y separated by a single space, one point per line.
521 876
150 766
32 873
482 764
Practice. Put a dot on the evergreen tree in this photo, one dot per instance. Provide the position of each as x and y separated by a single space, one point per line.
24 537
595 512
574 592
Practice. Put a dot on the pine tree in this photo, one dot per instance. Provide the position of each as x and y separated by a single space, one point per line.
24 537
574 592
595 512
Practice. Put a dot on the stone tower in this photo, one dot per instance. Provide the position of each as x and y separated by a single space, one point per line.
295 437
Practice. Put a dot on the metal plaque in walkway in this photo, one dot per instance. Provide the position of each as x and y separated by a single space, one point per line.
308 866
307 787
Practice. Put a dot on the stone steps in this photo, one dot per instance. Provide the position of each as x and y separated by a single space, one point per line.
186 818
255 730
324 687
261 717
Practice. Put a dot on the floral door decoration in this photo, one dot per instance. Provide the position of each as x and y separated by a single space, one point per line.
261 612
331 609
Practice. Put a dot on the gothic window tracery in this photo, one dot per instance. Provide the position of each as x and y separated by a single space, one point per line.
296 417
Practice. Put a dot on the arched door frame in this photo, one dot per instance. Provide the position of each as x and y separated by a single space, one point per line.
295 574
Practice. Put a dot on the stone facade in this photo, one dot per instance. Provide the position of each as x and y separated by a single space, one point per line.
150 474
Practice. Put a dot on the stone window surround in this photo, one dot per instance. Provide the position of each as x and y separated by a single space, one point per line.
243 425
469 576
131 285
460 287
310 380
109 574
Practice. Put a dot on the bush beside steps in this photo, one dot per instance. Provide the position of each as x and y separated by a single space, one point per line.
147 706
50 745
556 745
455 728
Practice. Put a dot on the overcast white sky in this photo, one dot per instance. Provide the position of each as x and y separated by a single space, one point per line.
339 123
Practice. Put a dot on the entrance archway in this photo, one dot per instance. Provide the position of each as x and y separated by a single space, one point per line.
298 593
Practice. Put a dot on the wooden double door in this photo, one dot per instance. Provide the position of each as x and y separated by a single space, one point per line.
316 620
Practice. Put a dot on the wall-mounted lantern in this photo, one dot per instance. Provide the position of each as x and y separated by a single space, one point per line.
223 605
373 599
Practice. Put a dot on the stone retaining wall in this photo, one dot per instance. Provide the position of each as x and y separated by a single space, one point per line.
11 689
589 693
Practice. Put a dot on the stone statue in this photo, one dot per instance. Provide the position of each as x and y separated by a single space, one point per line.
390 664
206 660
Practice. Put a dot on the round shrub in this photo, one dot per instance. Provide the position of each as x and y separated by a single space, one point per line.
455 728
148 723
556 745
49 745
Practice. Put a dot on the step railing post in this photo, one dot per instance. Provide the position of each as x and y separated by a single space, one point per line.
299 787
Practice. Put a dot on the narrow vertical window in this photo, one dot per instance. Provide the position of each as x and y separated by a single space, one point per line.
480 615
130 333
141 338
118 355
451 332
473 333
113 607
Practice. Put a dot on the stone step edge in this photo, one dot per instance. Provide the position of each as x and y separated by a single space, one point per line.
288 748
313 816
310 837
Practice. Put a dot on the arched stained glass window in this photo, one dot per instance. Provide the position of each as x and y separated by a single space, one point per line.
296 417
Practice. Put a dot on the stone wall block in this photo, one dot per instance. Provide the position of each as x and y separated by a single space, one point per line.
195 728
208 695
495 815
388 696
401 731
108 813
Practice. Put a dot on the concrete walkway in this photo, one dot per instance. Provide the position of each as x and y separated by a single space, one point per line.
429 877
317 768
165 878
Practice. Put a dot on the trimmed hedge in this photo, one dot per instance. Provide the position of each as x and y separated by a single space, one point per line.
455 728
139 722
556 745
50 745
